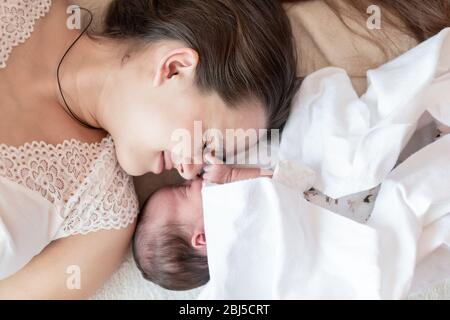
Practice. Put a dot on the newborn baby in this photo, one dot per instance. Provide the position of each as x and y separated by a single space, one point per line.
169 244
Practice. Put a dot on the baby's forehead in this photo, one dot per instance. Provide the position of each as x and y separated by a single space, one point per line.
161 200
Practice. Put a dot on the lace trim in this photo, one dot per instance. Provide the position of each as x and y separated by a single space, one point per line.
17 19
83 180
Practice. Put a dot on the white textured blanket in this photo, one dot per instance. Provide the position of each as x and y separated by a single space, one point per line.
127 284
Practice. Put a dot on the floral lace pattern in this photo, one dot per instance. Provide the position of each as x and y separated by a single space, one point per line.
17 19
84 181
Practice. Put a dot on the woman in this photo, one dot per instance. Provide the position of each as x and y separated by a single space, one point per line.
95 102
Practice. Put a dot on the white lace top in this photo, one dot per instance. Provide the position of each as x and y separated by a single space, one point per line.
54 191
17 18
83 181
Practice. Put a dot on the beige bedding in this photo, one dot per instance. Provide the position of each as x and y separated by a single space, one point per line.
325 39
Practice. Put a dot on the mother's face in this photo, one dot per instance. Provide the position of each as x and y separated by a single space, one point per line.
155 113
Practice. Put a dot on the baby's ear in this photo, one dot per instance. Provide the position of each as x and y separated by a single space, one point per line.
198 241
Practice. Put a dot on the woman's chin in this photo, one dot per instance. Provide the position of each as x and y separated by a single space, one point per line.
135 172
132 169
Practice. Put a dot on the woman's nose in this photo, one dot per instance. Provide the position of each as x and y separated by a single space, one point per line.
189 171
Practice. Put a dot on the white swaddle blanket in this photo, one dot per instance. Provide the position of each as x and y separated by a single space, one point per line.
266 241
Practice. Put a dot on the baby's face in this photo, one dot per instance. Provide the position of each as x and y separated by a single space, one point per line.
178 205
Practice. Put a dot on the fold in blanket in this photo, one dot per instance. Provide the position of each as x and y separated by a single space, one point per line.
352 142
266 241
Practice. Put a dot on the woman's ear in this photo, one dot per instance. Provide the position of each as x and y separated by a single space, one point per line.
177 62
198 241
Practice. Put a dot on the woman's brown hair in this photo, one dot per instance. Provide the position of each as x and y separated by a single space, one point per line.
246 47
420 19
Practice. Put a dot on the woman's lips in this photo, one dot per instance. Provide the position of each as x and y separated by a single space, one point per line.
168 164
164 162
160 165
